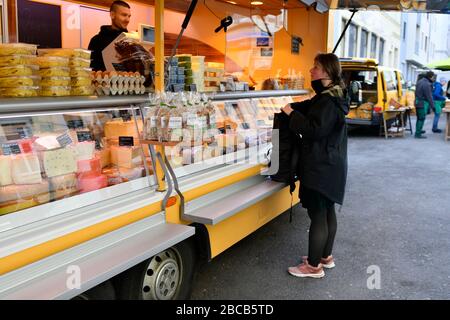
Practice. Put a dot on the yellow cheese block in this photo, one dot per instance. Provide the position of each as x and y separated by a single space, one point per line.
5 171
127 157
115 129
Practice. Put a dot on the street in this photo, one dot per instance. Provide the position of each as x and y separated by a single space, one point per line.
394 225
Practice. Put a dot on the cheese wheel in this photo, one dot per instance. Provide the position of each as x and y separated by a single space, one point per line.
90 165
26 191
91 182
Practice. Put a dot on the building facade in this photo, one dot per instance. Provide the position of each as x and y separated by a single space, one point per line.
425 38
369 35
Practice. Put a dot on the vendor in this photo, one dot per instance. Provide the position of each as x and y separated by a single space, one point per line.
120 13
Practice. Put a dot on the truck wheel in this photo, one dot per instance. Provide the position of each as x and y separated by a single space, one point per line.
166 276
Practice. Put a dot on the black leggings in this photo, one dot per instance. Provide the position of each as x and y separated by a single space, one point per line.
321 234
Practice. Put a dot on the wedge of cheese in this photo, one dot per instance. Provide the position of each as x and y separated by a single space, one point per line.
59 162
26 169
127 157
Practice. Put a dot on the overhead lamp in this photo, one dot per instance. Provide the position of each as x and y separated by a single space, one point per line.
256 3
231 2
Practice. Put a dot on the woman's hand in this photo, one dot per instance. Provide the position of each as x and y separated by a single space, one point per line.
287 109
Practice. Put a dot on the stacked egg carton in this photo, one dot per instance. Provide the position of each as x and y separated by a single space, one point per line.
66 72
19 70
118 83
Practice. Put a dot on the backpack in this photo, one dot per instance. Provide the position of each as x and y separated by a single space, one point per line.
285 153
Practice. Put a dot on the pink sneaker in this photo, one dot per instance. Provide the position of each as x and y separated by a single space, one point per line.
327 263
305 270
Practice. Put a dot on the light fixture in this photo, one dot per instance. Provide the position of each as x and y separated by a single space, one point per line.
232 2
321 6
256 3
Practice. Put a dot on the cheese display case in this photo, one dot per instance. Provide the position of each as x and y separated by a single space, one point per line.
69 158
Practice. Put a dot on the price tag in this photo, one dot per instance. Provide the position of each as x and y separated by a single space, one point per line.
203 121
84 136
192 120
126 141
64 140
11 148
153 122
176 122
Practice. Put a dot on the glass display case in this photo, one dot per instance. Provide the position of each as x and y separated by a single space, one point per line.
64 159
61 154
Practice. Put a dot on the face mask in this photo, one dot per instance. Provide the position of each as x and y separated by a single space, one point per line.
318 86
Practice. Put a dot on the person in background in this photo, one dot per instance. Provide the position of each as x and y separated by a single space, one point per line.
423 100
448 89
439 102
321 123
120 13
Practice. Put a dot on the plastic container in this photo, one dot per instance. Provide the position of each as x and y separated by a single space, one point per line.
50 62
55 91
55 81
68 53
17 59
21 81
55 72
19 92
80 72
81 81
79 63
22 70
8 49
82 91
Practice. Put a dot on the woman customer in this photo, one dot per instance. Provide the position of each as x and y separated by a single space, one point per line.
323 167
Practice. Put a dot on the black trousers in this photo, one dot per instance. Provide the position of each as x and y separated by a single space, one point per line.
321 233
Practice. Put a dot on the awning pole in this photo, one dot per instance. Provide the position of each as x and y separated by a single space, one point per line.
345 29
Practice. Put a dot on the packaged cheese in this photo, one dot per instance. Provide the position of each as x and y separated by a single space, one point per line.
50 62
91 182
63 186
91 165
26 169
55 81
59 162
55 72
21 70
8 49
68 53
104 156
19 92
120 128
81 72
84 150
55 91
17 59
79 63
81 81
82 91
119 175
17 192
21 81
46 142
127 157
5 171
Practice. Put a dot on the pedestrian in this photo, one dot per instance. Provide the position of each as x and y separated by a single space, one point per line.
321 123
439 102
423 101
120 13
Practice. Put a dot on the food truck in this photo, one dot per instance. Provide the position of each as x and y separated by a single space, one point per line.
101 195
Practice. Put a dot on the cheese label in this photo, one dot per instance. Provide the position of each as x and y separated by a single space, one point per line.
203 122
192 120
126 141
84 136
176 122
10 148
64 140
153 121
74 124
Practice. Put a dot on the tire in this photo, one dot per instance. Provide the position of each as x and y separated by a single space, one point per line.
104 291
166 276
